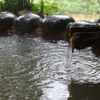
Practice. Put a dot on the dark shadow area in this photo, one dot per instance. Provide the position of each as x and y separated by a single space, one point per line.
84 91
6 32
96 50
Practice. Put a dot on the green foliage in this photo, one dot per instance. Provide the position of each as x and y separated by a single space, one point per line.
48 7
80 6
51 6
15 5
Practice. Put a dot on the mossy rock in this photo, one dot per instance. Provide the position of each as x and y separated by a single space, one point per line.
55 23
27 21
6 20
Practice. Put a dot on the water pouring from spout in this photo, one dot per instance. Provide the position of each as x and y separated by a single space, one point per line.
70 52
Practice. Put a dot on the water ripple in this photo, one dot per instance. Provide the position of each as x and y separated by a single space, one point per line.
34 69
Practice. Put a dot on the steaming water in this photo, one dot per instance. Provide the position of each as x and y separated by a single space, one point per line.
34 69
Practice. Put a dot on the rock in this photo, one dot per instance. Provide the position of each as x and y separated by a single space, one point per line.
82 26
27 21
97 20
82 23
55 23
6 20
84 91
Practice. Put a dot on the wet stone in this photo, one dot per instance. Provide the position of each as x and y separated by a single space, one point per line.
6 20
55 23
27 21
97 20
84 91
81 24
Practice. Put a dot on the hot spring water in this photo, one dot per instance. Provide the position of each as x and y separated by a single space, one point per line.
34 69
69 53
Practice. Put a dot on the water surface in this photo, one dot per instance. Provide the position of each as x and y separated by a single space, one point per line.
34 69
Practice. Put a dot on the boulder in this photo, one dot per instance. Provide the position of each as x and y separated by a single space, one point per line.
6 20
27 21
55 23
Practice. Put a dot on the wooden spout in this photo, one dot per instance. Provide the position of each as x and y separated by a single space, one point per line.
71 43
83 37
82 40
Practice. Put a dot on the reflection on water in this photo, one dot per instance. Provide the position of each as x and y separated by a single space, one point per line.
34 69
